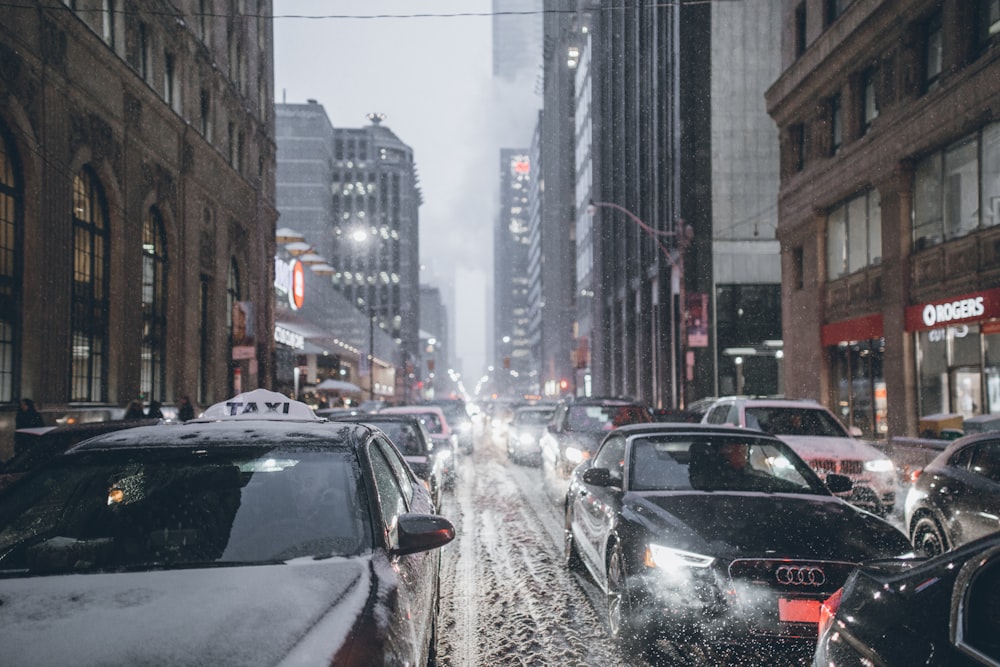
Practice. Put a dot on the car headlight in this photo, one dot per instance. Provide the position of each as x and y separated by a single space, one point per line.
443 453
526 439
880 465
576 455
667 558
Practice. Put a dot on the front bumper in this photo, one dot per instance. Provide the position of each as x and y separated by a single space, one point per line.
748 598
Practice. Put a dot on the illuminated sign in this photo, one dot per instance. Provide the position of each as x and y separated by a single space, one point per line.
960 309
289 338
521 167
290 279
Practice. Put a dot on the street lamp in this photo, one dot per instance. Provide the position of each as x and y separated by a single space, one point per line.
682 234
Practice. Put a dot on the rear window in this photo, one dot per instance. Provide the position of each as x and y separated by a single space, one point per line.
794 421
605 417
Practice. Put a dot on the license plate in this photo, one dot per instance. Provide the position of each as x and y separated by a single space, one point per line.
798 611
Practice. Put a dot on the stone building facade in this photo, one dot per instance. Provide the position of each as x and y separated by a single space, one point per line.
137 209
889 208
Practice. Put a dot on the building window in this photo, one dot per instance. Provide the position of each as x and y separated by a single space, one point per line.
154 307
798 267
108 22
232 305
933 52
836 125
90 302
206 115
11 203
988 22
800 29
231 131
204 350
854 235
145 64
956 191
797 147
832 9
869 102
170 87
204 21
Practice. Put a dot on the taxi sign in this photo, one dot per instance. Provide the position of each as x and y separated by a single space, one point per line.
260 404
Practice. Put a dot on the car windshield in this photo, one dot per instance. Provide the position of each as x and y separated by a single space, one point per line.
794 421
147 509
532 417
604 417
717 463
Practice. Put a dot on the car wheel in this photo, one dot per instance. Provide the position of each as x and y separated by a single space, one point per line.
621 623
928 538
573 561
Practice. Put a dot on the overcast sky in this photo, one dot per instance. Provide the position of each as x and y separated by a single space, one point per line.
431 77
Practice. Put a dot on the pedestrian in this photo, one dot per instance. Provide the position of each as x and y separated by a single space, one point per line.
154 411
134 410
185 410
27 416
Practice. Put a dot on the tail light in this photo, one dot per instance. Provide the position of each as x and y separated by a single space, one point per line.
828 610
914 474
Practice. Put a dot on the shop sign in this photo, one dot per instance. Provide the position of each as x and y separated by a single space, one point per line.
290 279
290 338
962 309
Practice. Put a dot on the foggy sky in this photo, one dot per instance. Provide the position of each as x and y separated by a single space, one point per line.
431 77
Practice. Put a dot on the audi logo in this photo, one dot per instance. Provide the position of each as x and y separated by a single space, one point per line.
800 575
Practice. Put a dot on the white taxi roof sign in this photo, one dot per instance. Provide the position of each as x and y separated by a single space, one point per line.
260 404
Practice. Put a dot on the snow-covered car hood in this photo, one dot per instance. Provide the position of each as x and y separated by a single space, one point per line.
293 614
817 446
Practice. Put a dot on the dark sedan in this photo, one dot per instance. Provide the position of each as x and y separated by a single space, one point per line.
956 497
255 535
576 430
408 433
694 530
943 611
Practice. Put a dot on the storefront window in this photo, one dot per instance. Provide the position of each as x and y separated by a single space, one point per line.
950 363
861 396
991 370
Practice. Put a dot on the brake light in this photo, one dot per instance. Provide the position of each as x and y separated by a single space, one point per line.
914 474
828 610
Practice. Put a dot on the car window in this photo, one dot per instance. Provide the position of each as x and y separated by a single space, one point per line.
986 461
390 495
717 415
612 457
400 468
532 417
795 421
406 437
961 458
158 509
680 462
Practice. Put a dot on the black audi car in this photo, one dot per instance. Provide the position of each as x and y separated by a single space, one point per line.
257 534
724 534
942 611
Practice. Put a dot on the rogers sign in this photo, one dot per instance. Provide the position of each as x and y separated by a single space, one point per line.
953 310
964 308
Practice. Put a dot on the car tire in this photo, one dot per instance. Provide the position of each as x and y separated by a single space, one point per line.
927 537
627 634
572 557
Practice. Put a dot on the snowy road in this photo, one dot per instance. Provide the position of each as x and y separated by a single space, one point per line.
507 598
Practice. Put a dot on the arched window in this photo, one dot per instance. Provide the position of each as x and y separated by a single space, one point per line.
232 315
89 319
11 202
152 382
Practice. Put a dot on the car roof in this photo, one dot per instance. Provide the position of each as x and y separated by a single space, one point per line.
690 427
259 416
765 401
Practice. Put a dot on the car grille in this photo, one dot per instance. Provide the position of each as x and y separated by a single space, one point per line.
851 467
759 584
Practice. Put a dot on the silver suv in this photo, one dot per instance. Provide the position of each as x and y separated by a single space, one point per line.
821 439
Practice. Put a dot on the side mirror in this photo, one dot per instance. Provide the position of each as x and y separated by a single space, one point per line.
597 477
838 483
855 432
422 532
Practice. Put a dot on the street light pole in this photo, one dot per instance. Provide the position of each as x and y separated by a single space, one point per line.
371 352
678 324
